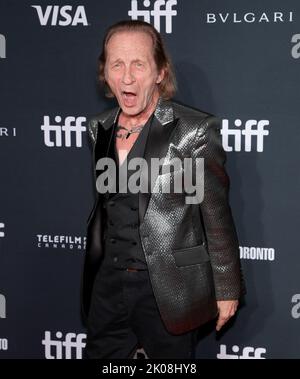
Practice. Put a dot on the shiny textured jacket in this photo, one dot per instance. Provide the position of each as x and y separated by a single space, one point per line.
191 250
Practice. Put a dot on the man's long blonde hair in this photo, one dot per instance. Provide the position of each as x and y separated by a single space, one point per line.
167 87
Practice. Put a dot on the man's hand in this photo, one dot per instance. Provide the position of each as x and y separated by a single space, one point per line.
227 309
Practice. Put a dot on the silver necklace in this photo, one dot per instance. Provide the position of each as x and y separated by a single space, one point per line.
134 129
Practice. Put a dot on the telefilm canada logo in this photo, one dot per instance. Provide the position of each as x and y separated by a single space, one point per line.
244 136
257 253
63 132
2 46
61 242
162 10
247 352
61 15
249 17
295 52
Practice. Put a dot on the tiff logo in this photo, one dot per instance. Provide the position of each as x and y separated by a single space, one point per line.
55 135
68 348
2 306
295 52
252 128
248 352
2 234
2 46
61 15
157 12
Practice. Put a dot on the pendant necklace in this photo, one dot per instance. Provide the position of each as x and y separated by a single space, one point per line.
134 129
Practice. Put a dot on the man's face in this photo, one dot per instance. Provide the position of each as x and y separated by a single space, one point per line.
131 71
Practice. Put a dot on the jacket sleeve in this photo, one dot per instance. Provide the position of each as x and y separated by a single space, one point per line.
218 224
92 125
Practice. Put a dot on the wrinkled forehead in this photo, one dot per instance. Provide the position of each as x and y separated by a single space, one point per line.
130 38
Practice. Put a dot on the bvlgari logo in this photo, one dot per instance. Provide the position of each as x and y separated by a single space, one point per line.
249 17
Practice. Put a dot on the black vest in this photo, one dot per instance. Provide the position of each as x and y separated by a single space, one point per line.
122 244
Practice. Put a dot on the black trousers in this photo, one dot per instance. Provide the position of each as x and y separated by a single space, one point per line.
124 315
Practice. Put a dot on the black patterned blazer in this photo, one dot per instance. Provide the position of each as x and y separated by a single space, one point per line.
191 250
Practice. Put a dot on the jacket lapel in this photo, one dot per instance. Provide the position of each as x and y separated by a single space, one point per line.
104 134
157 144
162 126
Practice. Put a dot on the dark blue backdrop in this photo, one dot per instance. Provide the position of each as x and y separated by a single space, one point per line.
237 59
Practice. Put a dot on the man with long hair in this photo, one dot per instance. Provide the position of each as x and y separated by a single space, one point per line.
159 264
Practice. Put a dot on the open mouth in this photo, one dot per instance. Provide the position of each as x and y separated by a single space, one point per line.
128 94
129 98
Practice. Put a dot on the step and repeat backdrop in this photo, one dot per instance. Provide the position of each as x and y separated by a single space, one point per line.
239 60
